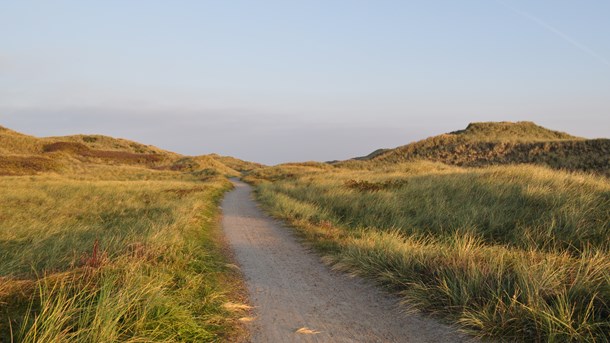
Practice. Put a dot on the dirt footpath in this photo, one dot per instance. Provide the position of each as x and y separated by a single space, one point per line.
298 299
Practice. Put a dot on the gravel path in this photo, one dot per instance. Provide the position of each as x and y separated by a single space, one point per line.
291 289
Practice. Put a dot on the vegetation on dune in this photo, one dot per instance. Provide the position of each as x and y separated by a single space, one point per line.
519 206
523 131
103 239
483 144
14 143
372 155
210 164
511 252
100 142
100 244
284 171
23 165
82 151
27 155
235 163
116 260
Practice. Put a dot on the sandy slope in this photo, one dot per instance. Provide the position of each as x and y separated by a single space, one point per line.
291 289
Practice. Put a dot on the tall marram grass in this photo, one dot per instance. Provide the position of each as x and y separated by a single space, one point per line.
517 253
113 254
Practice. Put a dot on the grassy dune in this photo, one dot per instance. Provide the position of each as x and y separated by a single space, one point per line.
515 252
107 257
116 259
21 154
501 143
106 240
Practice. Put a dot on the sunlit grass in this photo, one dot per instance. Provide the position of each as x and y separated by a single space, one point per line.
515 252
111 253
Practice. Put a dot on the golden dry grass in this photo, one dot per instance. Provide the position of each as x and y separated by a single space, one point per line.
109 255
519 253
102 241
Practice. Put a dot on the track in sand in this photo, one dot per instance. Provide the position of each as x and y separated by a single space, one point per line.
291 289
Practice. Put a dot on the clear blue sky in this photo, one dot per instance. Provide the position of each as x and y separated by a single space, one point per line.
275 81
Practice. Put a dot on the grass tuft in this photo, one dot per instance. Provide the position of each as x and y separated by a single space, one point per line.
518 253
125 254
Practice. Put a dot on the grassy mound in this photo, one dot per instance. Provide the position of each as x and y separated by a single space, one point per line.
483 144
519 253
524 131
14 143
81 150
27 155
103 242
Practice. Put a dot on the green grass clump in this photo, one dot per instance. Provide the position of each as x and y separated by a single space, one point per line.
490 291
114 254
518 206
515 252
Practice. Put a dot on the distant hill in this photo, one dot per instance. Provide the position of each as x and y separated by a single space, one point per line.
492 143
213 163
22 154
372 155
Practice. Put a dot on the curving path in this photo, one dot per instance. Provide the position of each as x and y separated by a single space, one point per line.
291 289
